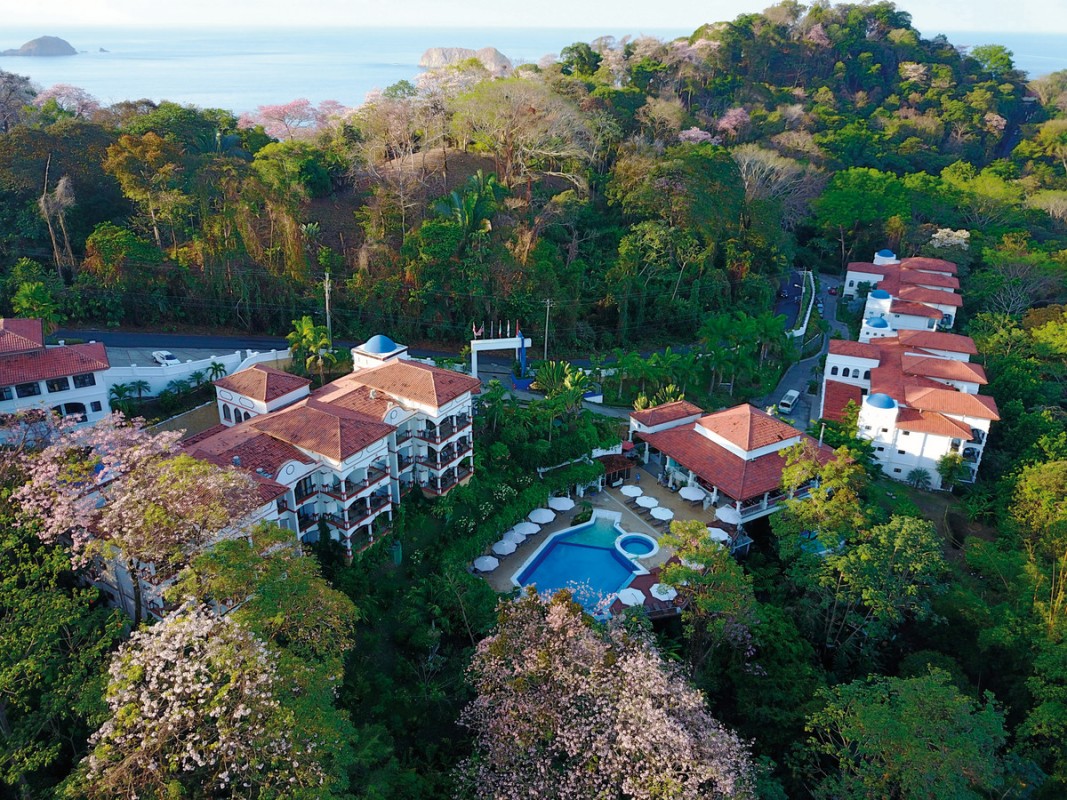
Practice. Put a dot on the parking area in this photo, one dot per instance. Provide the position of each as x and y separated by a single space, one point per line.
142 356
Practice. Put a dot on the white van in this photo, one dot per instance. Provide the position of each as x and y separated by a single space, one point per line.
785 405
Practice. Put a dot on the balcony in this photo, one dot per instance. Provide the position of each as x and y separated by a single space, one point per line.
348 489
404 462
446 457
977 436
358 514
444 431
304 492
307 521
447 481
971 455
404 436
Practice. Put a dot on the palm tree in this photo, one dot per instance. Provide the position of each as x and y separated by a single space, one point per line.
179 386
119 397
216 370
319 360
920 478
198 377
35 300
551 377
140 386
307 339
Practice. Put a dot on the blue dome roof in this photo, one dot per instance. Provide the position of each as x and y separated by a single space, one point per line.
378 344
877 322
880 294
886 254
879 400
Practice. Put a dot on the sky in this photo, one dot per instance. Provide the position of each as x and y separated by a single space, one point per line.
929 16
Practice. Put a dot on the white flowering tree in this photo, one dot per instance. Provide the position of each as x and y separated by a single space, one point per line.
565 711
195 713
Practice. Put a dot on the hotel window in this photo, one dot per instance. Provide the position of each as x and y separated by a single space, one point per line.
95 405
226 413
867 375
900 452
84 381
905 433
897 469
58 384
833 370
28 389
885 430
5 393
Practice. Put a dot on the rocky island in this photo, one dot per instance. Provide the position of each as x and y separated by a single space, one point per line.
492 59
43 47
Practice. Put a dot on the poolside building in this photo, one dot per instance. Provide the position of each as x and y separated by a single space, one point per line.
734 456
345 455
908 294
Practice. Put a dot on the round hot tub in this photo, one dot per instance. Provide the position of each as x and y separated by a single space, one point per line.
637 545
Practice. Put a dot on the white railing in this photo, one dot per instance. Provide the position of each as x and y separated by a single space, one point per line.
809 279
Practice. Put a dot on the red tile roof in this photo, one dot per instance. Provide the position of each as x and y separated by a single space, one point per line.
912 419
950 401
929 279
334 432
363 399
736 477
836 397
262 383
948 369
418 383
52 362
936 340
748 427
255 449
868 268
914 309
846 347
668 412
929 265
920 294
20 335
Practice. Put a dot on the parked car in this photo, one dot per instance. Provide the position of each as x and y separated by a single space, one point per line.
165 358
833 290
789 399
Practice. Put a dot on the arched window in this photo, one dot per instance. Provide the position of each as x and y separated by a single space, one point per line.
851 283
867 375
833 370
226 413
75 410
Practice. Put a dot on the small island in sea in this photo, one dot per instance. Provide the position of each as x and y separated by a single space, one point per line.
43 47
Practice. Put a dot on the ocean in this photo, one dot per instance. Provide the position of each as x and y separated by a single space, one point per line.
242 69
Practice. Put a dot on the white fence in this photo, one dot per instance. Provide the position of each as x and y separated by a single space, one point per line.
158 377
799 331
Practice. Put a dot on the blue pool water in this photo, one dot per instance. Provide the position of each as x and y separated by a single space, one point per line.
582 559
636 545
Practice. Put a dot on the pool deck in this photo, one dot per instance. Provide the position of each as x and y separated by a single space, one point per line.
634 520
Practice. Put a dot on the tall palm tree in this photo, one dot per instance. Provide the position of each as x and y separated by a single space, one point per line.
551 377
308 339
119 397
216 370
319 360
198 377
140 386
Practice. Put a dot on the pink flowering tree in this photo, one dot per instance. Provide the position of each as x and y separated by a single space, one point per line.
115 490
195 713
697 136
734 122
297 119
72 99
73 475
565 711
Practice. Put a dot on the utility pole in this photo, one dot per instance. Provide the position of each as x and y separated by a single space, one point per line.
329 320
548 307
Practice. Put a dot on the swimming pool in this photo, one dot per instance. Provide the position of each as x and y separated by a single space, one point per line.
583 559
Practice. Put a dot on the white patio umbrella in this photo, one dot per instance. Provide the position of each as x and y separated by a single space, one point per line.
526 528
629 490
718 535
729 515
647 502
504 548
664 591
486 563
691 493
514 537
632 597
541 516
560 503
662 513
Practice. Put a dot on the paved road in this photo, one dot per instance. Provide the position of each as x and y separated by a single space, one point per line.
801 373
789 306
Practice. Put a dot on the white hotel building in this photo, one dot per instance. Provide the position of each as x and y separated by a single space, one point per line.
916 390
345 454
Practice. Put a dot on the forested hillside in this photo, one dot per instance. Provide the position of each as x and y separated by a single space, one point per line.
637 184
656 193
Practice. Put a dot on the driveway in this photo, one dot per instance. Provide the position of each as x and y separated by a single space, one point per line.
789 306
806 409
